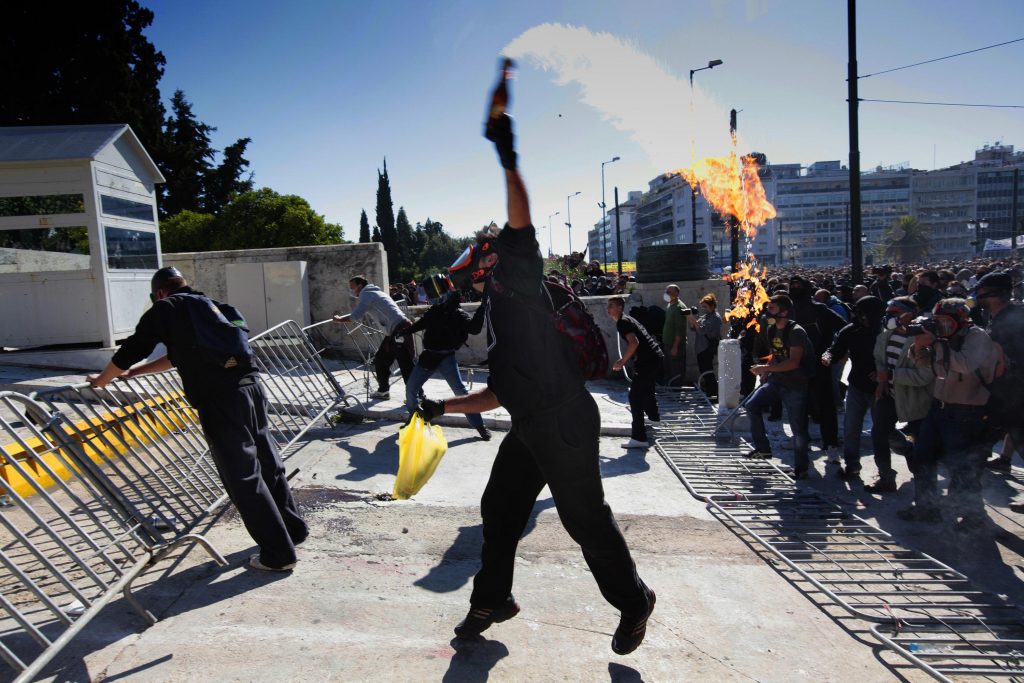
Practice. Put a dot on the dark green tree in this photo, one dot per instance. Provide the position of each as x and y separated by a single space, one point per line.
433 227
906 241
406 247
263 218
386 218
226 181
364 228
84 62
188 231
187 156
376 234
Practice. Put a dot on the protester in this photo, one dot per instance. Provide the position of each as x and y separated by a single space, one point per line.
647 366
962 357
782 379
673 337
397 344
232 408
446 327
707 328
555 425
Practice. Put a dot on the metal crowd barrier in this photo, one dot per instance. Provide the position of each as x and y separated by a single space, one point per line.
300 388
918 607
71 538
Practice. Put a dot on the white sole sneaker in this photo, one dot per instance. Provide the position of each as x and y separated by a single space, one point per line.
633 443
254 562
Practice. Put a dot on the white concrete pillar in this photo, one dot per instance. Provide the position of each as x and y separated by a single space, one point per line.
730 368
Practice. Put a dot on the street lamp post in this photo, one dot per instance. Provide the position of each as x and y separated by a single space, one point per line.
693 188
568 219
604 216
978 226
550 251
792 253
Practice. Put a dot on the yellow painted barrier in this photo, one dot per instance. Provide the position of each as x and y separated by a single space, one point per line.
130 433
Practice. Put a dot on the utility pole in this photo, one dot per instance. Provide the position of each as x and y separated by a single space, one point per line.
734 244
618 235
856 249
1013 213
780 241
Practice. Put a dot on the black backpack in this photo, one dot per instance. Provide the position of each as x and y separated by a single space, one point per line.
571 317
221 332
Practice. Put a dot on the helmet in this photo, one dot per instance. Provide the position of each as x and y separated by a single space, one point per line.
437 287
466 271
951 316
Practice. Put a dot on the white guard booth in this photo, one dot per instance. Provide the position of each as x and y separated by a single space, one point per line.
78 234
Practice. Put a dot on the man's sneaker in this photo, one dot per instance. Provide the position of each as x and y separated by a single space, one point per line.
484 433
636 443
632 628
882 485
916 513
999 464
383 395
849 473
254 562
800 475
758 455
970 525
656 418
479 619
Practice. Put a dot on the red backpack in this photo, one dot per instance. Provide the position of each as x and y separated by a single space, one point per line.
570 316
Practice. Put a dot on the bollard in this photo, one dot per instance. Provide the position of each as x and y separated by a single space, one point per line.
730 369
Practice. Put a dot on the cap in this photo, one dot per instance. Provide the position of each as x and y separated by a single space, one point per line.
996 281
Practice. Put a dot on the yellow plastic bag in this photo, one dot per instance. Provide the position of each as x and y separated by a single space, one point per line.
420 449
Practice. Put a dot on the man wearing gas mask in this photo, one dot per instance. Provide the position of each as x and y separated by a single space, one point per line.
446 327
555 428
964 360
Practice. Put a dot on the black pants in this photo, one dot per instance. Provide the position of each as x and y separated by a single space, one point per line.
705 363
235 424
642 401
558 447
822 406
391 350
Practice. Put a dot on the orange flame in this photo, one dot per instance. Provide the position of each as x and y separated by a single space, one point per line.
730 184
751 295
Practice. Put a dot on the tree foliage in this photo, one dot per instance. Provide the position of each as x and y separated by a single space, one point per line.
258 219
364 228
225 181
906 241
386 219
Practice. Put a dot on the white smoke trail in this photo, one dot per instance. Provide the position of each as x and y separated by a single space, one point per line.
631 90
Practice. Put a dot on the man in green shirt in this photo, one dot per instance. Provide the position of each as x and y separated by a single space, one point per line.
673 337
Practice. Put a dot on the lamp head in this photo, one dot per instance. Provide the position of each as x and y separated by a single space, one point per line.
714 62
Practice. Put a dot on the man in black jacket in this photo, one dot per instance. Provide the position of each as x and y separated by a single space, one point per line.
821 324
554 438
232 410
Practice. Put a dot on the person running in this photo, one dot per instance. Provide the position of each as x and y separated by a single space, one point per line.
647 359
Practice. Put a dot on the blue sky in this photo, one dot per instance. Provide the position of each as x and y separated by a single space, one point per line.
326 90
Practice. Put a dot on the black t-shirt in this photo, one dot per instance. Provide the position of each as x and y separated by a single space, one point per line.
445 326
780 342
648 353
532 365
168 322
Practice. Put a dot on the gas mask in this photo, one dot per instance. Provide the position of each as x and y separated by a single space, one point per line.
468 268
945 326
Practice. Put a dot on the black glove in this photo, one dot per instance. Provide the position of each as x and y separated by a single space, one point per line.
429 410
499 131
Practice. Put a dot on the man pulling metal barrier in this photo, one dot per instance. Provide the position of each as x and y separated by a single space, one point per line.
206 342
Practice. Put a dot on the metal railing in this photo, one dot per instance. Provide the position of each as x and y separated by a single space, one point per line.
69 542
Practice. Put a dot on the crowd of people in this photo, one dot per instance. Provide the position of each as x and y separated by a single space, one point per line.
936 358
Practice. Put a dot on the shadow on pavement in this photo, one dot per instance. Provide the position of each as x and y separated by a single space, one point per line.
473 660
619 673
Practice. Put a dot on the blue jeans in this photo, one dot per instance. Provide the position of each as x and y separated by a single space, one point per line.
883 421
449 369
795 401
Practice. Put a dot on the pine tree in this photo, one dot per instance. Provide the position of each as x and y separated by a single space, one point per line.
406 246
187 155
376 234
225 181
364 228
386 218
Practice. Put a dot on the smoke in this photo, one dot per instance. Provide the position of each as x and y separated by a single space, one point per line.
631 90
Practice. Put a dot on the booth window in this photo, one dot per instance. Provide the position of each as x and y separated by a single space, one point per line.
126 208
42 205
39 249
130 249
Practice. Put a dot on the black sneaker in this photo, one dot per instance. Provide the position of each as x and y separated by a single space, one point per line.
758 455
484 433
882 485
999 464
970 525
849 473
632 628
916 513
479 619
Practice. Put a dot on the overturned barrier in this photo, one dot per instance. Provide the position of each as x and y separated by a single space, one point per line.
70 540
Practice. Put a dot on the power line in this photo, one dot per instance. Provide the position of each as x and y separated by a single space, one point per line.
948 104
939 59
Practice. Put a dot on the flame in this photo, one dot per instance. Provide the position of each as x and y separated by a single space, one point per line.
731 185
751 295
